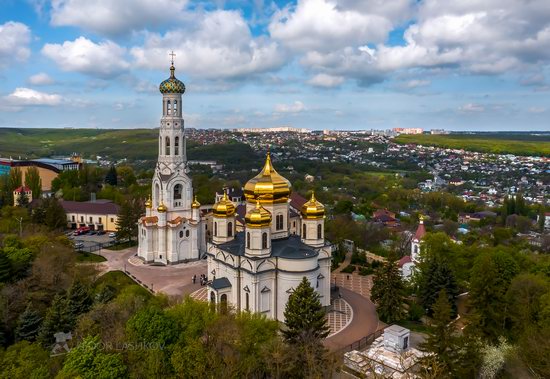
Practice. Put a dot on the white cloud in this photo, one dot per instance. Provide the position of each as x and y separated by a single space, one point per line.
415 83
111 17
326 81
26 96
536 110
219 45
40 79
471 108
295 107
323 25
14 43
104 59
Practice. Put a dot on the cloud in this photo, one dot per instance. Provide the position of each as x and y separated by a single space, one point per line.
26 96
295 107
218 45
471 108
536 110
322 25
40 79
111 18
103 60
326 81
14 43
415 83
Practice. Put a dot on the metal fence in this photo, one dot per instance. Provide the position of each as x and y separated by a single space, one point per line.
91 246
363 342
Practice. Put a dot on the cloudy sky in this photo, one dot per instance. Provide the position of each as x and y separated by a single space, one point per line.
319 64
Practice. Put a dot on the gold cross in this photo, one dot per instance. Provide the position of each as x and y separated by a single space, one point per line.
173 55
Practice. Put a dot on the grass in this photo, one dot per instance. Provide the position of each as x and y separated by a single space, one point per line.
497 143
118 281
122 245
414 326
82 256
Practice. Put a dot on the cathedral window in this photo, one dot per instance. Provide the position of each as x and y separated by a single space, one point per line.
177 192
279 222
215 229
181 233
177 146
230 229
304 234
247 296
319 231
167 151
175 108
168 107
248 240
264 240
187 233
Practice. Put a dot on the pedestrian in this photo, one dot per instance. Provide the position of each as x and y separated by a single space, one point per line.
348 277
194 278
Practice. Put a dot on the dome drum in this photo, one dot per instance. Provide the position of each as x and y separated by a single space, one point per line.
258 217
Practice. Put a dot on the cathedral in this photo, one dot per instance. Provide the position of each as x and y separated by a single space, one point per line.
255 269
170 232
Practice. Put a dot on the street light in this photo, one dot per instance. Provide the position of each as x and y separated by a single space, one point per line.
20 227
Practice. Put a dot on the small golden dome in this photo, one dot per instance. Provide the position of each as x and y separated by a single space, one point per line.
224 207
258 217
149 202
268 186
162 208
313 209
196 203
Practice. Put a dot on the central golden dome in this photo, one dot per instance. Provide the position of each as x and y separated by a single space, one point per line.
268 186
258 217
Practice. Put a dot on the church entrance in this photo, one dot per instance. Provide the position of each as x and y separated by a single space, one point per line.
223 303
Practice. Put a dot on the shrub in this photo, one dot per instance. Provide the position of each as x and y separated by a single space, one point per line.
349 269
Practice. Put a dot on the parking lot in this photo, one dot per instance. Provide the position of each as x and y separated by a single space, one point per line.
92 243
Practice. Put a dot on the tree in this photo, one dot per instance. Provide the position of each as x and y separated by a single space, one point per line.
28 324
58 319
127 176
440 339
524 299
111 177
15 179
89 361
128 216
436 275
343 207
33 181
5 268
25 360
79 300
388 291
49 212
22 199
304 314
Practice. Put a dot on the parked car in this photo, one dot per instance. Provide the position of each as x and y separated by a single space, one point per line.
112 235
93 233
100 232
78 246
81 230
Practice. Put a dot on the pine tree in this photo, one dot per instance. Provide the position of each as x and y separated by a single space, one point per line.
58 319
304 315
28 324
111 177
5 267
437 276
33 181
440 339
79 300
387 291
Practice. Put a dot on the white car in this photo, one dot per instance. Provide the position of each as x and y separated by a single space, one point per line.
78 245
112 235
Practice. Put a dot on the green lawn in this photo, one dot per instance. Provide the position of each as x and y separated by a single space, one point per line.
118 281
498 143
82 256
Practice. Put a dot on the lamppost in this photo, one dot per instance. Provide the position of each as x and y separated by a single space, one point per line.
20 227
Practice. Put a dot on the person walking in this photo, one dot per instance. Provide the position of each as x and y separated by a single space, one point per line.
194 279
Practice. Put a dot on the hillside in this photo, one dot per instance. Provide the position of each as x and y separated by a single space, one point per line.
498 143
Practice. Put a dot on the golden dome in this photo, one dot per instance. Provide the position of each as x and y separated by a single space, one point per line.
148 202
224 207
313 209
268 186
258 217
162 208
196 203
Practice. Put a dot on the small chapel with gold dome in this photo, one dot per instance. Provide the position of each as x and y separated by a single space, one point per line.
257 269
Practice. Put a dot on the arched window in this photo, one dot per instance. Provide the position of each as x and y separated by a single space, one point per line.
247 301
279 222
230 229
319 231
177 146
168 107
304 234
264 240
167 143
157 194
223 301
248 240
160 145
215 229
212 297
177 191
175 108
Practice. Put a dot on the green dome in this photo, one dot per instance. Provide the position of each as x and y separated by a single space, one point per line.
172 85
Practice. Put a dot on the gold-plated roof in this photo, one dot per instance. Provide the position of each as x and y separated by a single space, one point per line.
162 208
258 217
313 209
195 203
149 202
268 186
224 207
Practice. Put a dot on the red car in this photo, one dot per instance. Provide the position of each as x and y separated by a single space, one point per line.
81 230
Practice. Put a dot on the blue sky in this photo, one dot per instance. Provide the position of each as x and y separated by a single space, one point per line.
319 64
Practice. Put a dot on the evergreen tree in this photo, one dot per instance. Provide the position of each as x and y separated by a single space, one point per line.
15 179
440 339
304 315
54 216
388 291
436 275
5 267
79 300
111 176
28 324
33 181
129 213
58 319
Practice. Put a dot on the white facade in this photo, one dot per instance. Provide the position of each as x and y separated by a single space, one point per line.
171 229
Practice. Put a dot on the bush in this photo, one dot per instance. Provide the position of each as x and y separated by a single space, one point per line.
349 269
365 271
415 311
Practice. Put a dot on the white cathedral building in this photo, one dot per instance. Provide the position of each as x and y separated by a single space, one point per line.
254 270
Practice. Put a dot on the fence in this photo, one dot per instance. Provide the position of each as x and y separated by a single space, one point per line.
91 246
363 342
